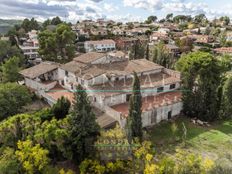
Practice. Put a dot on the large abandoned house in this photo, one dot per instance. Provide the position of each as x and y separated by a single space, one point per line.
108 81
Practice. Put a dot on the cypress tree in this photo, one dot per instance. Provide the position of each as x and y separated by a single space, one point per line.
61 108
226 110
83 126
134 119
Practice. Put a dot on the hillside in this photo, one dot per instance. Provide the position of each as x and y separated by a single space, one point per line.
6 24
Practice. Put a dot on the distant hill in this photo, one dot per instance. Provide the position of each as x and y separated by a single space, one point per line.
7 24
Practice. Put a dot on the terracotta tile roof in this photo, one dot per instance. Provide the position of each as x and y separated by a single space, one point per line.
40 69
130 66
73 66
224 50
112 69
152 102
89 57
58 92
118 54
141 65
90 72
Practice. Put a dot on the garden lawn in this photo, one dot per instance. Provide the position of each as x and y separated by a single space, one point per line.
214 142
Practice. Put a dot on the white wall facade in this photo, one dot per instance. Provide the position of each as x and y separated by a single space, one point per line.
99 47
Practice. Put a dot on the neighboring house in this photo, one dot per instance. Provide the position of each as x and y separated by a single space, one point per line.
100 46
125 43
30 47
223 50
137 31
202 39
229 36
42 77
31 53
173 49
108 81
164 30
99 31
118 32
157 37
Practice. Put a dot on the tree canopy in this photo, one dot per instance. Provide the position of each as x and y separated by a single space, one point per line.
202 75
83 126
12 98
151 19
57 45
10 70
7 51
134 120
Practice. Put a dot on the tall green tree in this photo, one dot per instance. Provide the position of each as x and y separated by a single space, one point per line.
226 109
161 56
10 70
134 120
29 25
201 79
151 19
83 126
12 98
48 45
61 108
7 51
56 21
138 51
199 18
57 45
169 17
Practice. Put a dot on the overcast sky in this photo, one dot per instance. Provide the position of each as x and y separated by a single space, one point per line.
119 10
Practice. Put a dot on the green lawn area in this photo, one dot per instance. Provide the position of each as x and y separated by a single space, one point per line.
214 142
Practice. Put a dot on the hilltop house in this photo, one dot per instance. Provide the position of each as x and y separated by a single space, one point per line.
108 81
30 47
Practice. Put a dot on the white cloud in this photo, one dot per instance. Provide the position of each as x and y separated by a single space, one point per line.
110 7
145 4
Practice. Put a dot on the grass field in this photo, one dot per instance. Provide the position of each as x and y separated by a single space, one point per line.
214 142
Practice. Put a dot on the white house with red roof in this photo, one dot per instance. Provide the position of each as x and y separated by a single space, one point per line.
108 81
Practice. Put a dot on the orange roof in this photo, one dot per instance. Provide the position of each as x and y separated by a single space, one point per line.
224 50
152 102
58 92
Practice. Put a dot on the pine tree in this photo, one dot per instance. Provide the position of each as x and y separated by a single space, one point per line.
135 110
83 126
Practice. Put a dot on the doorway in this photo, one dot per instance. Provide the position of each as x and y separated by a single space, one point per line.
128 97
169 115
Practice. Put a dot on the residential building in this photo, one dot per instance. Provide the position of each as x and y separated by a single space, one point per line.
100 46
229 36
157 37
108 81
30 47
202 39
173 49
42 77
